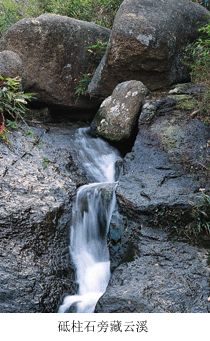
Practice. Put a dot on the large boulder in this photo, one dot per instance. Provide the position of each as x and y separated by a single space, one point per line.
146 44
54 51
118 113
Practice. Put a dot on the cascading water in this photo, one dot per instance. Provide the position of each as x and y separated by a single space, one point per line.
91 217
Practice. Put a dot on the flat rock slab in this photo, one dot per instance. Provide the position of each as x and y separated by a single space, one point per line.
165 277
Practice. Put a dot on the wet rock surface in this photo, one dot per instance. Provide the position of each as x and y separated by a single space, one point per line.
38 184
165 277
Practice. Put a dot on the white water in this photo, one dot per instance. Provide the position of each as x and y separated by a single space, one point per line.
91 217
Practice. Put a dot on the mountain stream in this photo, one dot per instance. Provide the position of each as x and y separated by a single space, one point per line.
91 217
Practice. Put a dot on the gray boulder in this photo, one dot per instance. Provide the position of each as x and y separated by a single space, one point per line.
118 113
54 51
10 64
146 44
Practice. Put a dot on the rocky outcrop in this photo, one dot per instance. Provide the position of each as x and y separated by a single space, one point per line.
38 183
154 271
10 64
166 167
118 113
54 51
146 44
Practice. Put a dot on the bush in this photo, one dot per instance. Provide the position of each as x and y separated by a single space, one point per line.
101 12
12 11
198 57
13 102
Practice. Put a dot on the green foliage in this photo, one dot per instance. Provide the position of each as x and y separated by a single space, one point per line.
82 84
97 51
199 220
3 136
11 124
13 102
201 216
12 11
29 133
45 162
198 58
12 98
101 12
191 223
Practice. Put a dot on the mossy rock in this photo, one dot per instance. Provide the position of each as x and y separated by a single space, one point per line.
184 102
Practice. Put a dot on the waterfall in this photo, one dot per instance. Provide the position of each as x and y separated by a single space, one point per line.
91 217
